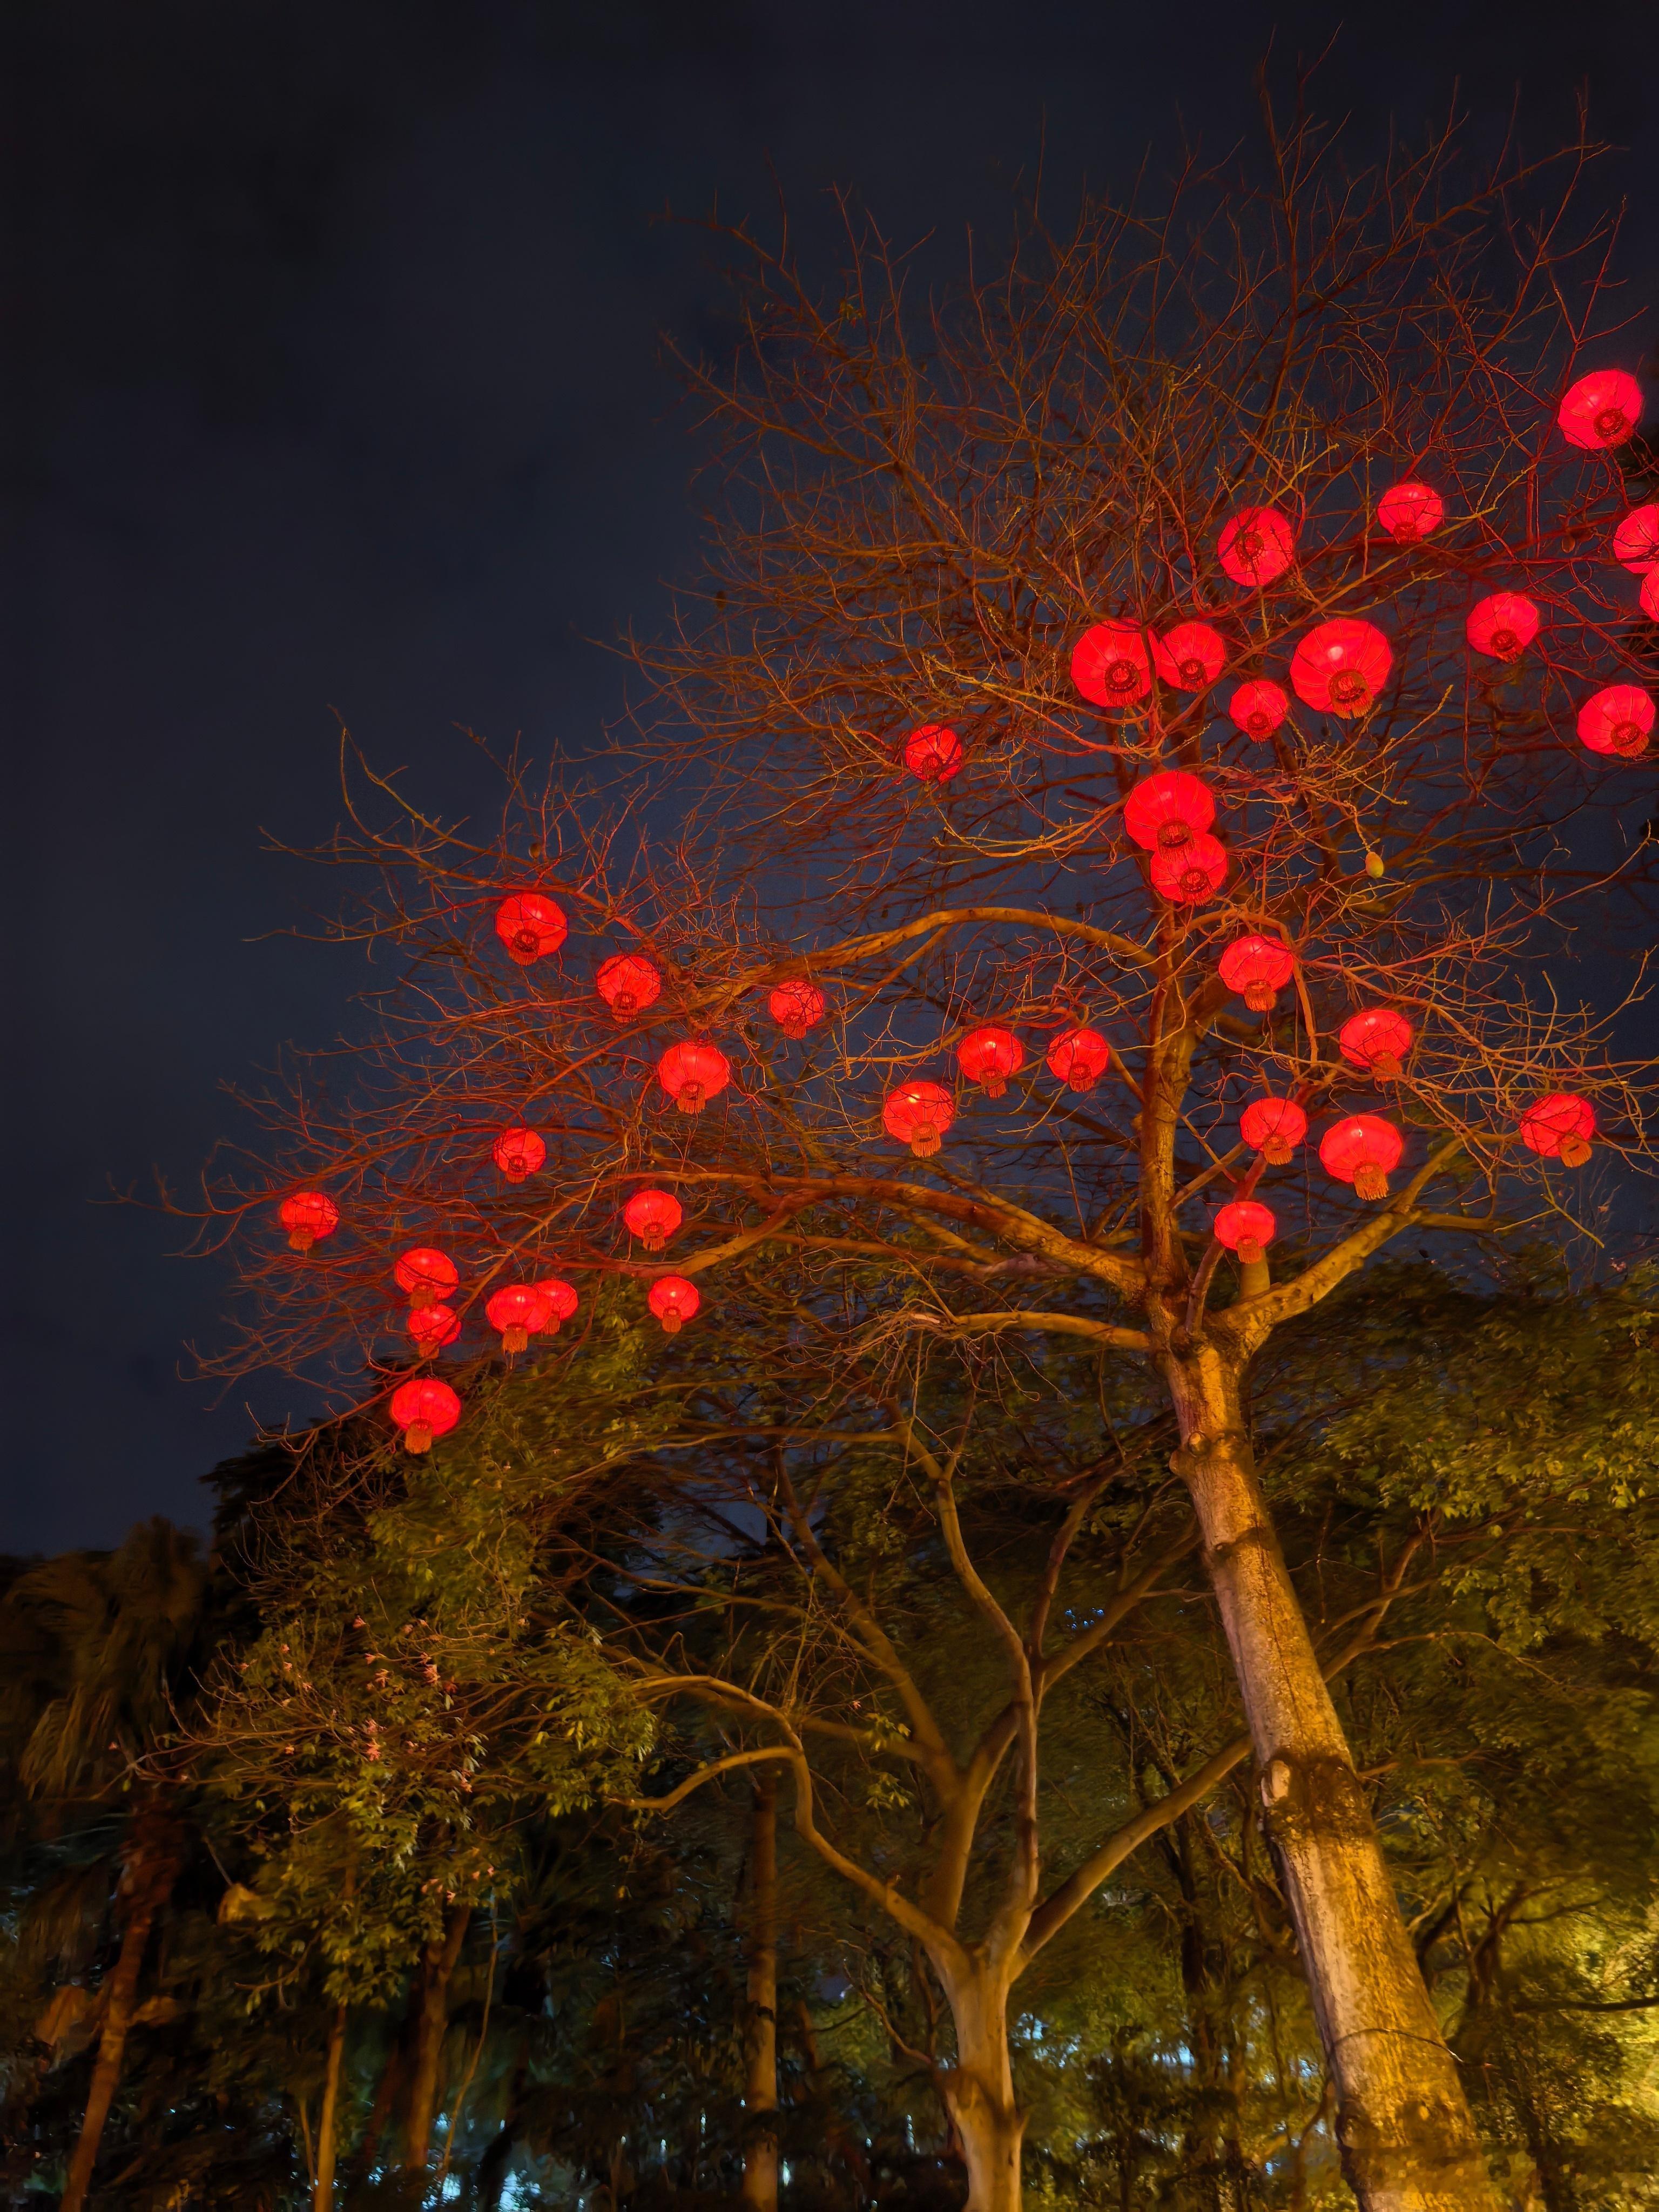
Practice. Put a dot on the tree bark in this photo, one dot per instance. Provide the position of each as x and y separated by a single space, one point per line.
760 2092
979 2089
1403 2125
437 1968
328 2120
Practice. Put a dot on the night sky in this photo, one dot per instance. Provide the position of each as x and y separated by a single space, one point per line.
334 383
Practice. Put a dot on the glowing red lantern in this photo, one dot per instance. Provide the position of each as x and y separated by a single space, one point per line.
1110 665
518 1153
1273 1127
426 1275
1601 410
1362 1151
795 1007
530 927
1258 969
1192 874
1560 1128
653 1216
1341 666
933 754
432 1327
1168 809
1616 720
988 1056
673 1301
1258 708
423 1408
692 1073
628 983
1189 656
1079 1058
1256 544
1649 595
562 1301
307 1216
1636 541
519 1310
1246 1227
1410 511
1504 625
918 1114
1377 1039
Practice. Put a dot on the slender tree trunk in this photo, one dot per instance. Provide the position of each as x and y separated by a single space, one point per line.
328 2121
760 2088
437 1968
1407 2140
148 1881
979 2089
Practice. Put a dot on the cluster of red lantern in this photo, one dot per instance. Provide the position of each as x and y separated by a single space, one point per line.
1168 816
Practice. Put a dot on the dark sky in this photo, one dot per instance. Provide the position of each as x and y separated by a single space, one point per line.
333 382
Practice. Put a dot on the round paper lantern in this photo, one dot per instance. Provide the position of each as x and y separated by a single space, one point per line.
653 1216
1636 541
1560 1128
432 1327
1649 595
1110 664
795 1007
1246 1227
1258 708
1168 809
673 1301
1362 1151
517 1153
426 1275
1079 1058
988 1056
933 754
423 1408
1601 410
628 983
1273 1127
692 1073
519 1310
1504 625
1256 544
1410 511
1192 872
1189 656
1377 1039
918 1114
1341 666
307 1216
1616 720
561 1301
530 927
1258 969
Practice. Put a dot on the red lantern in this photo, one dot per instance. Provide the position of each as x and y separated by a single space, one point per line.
1079 1058
530 927
1649 595
1110 665
432 1327
1560 1128
1504 625
1246 1227
1258 708
918 1114
1189 656
988 1056
1636 541
307 1215
1377 1039
795 1007
1410 511
692 1073
1601 410
628 983
933 754
562 1301
426 1275
519 1310
1258 969
1192 872
1256 544
1168 809
1341 666
1616 720
673 1301
653 1216
423 1408
1273 1127
1362 1151
518 1153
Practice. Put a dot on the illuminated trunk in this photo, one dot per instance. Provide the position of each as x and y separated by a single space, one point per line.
760 2095
328 2126
437 1968
1407 2141
980 2089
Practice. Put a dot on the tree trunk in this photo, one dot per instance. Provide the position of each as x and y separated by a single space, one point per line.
1408 2143
437 1968
760 2089
149 1880
328 2121
979 2089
